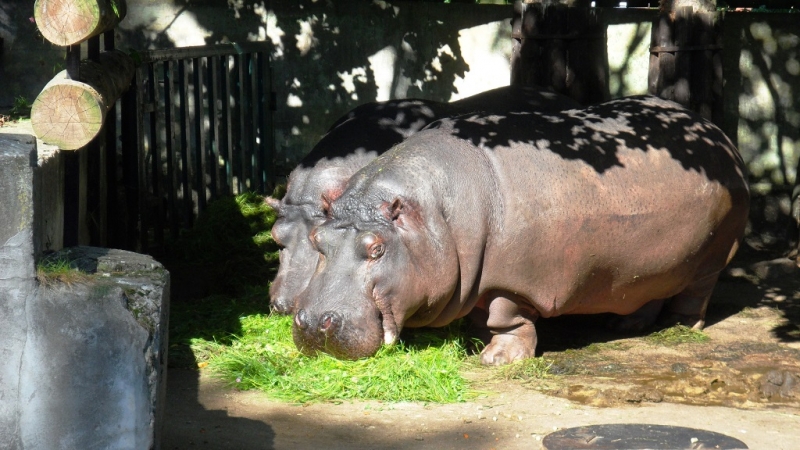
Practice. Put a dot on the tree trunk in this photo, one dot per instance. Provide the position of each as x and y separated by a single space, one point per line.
69 22
69 113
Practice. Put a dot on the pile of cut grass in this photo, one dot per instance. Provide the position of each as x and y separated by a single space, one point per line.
424 367
679 334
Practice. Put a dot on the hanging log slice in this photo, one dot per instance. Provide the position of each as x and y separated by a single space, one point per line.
69 113
68 22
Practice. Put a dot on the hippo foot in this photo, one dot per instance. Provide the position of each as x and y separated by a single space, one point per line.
692 321
639 320
509 347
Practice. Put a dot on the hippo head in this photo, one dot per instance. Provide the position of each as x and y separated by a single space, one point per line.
297 256
384 262
299 212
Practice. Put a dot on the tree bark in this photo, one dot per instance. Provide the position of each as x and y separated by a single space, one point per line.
69 22
69 113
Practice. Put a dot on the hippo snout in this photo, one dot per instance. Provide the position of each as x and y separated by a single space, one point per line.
301 319
337 333
329 322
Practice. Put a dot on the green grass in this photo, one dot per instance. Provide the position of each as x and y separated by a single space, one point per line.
58 270
232 236
424 367
676 335
527 369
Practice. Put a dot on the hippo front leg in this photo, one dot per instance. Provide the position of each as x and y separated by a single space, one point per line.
511 324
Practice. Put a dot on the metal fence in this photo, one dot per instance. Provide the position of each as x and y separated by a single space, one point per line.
196 126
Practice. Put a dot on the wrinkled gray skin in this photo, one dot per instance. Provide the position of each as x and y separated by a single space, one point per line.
631 207
352 142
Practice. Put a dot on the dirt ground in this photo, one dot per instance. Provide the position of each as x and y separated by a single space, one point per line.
743 382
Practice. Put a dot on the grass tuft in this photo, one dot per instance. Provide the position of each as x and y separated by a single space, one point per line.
424 367
679 334
526 369
54 270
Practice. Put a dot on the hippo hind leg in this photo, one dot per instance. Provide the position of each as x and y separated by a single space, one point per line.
511 324
638 320
689 306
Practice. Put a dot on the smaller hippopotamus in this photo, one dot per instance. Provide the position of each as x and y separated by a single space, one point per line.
353 141
630 207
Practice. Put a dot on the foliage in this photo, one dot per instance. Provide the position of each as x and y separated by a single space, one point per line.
58 269
679 334
425 367
21 108
232 236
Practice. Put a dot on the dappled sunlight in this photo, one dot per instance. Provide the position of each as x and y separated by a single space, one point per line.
181 27
763 80
602 136
628 69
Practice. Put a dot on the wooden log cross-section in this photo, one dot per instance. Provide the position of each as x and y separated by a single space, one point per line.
69 22
69 113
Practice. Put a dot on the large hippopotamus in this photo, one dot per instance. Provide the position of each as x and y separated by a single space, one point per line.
630 207
353 141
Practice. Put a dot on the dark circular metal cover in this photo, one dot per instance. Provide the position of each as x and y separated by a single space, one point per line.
638 436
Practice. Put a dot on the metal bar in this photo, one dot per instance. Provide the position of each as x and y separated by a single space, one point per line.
95 213
199 133
172 177
188 207
684 48
72 168
226 143
157 210
73 62
212 77
132 116
245 124
110 125
203 50
261 175
245 98
235 129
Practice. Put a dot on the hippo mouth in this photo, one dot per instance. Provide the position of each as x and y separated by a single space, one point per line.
390 328
346 336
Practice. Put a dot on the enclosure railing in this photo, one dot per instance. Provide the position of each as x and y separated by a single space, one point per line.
197 125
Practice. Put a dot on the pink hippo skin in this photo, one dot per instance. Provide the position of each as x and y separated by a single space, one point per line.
353 141
635 204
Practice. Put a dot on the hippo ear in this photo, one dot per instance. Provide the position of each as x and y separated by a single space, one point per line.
400 212
326 204
273 203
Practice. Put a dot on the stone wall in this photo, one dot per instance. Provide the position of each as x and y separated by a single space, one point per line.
84 356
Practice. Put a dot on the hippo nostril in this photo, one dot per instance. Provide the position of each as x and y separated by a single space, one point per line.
301 319
329 322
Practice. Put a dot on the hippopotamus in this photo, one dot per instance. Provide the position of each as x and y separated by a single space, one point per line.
632 207
353 141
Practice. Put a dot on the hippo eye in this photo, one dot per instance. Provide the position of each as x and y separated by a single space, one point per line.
375 250
373 245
